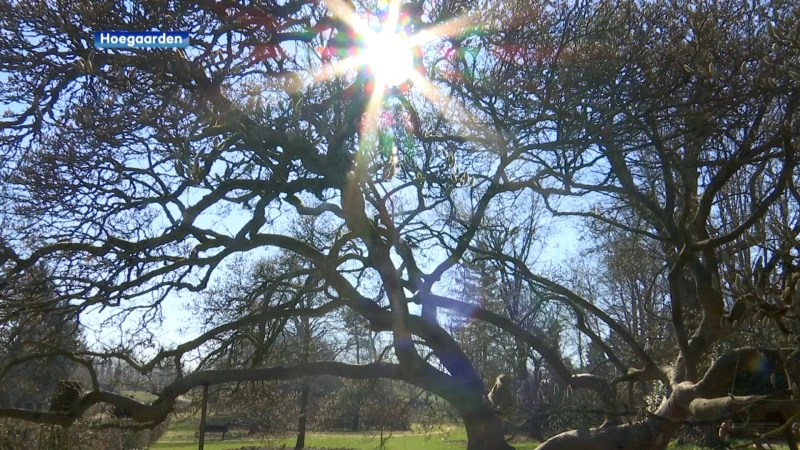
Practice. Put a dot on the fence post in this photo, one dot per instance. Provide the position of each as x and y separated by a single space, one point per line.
203 416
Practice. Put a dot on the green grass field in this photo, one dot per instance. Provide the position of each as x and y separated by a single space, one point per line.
181 437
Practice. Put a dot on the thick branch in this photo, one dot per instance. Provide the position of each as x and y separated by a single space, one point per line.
577 300
553 358
156 412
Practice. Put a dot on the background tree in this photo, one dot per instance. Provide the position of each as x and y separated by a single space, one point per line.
39 334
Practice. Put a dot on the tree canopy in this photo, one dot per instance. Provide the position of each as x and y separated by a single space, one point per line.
666 129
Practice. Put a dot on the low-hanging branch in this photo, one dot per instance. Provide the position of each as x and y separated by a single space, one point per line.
157 411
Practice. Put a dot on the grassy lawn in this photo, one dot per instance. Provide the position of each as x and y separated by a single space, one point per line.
140 396
181 437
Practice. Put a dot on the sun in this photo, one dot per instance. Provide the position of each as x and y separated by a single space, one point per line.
389 56
392 57
386 50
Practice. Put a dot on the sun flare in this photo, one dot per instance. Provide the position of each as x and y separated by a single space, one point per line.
394 56
390 57
388 52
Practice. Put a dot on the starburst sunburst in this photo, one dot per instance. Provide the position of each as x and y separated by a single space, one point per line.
390 57
389 54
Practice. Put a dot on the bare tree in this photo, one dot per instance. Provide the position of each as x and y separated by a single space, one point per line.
135 175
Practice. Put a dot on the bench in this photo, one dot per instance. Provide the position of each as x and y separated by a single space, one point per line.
217 429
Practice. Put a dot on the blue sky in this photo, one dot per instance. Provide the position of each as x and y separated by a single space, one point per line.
561 245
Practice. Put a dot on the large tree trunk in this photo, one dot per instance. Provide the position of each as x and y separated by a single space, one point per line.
485 432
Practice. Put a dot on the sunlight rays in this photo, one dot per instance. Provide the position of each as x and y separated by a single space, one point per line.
370 123
345 12
388 53
442 102
393 59
339 67
451 28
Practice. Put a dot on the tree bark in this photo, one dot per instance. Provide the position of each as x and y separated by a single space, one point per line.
301 422
485 432
533 425
650 434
